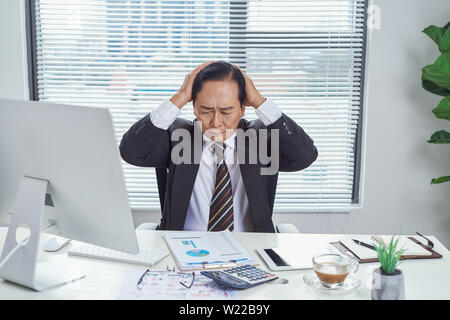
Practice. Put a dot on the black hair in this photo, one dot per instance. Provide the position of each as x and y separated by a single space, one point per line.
219 70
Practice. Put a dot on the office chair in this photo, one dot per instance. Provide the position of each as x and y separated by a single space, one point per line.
161 178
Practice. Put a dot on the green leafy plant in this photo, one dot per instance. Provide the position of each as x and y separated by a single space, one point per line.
388 255
436 79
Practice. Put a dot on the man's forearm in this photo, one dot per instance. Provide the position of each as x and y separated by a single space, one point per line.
179 100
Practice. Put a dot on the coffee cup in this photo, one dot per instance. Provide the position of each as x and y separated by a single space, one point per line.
333 269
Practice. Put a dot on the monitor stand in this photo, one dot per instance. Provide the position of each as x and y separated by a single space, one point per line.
22 267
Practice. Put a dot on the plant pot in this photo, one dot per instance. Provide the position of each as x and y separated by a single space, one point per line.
388 286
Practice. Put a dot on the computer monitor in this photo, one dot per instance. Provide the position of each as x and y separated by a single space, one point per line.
73 150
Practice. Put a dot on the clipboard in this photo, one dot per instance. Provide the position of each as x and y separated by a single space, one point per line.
207 250
345 250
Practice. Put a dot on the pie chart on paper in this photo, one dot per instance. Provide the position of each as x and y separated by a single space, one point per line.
197 253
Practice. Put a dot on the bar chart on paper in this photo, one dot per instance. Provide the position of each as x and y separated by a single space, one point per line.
193 248
193 251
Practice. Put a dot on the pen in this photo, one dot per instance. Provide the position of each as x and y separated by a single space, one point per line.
142 277
364 244
237 260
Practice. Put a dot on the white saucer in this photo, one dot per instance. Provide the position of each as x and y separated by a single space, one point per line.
350 284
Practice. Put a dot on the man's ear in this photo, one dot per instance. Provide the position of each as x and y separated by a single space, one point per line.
242 110
195 109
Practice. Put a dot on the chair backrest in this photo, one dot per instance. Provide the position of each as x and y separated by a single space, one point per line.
161 178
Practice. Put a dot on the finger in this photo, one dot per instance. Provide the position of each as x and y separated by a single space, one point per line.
189 78
204 65
243 72
200 68
238 67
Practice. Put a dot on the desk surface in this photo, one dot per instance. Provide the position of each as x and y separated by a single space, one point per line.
424 279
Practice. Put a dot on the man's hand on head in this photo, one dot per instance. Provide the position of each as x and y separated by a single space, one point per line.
252 96
184 94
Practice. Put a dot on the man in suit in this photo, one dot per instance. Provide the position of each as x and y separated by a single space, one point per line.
216 187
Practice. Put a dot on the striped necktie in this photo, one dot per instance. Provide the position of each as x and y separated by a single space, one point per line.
221 207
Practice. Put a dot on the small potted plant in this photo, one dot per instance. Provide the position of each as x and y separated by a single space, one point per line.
388 282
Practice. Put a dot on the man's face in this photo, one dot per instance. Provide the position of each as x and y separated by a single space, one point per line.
217 107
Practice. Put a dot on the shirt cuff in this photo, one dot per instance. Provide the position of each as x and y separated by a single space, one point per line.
164 115
268 112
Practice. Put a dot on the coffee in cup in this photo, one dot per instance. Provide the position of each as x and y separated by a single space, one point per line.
333 269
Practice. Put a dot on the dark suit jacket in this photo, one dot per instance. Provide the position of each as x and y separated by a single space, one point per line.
146 145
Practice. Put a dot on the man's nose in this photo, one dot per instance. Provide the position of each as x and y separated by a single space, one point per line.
217 120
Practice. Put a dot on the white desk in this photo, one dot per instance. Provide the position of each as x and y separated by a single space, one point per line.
424 279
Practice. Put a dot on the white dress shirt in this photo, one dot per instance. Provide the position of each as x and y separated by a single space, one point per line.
197 216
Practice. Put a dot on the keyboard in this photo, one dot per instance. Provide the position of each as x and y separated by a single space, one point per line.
241 277
145 258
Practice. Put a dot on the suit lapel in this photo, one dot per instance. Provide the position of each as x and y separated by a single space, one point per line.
255 187
183 184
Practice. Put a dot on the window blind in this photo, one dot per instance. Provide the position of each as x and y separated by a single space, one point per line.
130 55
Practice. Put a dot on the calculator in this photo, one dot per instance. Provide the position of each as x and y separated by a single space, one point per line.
241 277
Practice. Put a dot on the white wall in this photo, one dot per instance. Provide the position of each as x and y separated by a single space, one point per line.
399 163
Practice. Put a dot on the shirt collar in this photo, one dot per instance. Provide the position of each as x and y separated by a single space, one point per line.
230 142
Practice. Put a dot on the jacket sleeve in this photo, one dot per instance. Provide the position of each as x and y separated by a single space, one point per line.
146 145
296 149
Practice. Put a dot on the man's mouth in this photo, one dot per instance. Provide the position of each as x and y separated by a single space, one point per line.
216 135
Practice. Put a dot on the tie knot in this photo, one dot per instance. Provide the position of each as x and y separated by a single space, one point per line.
219 149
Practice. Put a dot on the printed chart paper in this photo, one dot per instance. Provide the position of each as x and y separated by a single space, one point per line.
166 285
